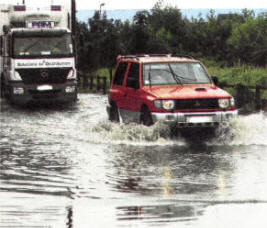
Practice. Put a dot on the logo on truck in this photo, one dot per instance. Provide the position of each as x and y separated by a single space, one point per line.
44 73
45 63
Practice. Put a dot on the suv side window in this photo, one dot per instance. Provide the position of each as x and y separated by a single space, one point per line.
120 73
133 76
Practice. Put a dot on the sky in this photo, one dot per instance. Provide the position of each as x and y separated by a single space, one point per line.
148 4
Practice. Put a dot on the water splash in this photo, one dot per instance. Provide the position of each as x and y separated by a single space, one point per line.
245 130
250 130
133 133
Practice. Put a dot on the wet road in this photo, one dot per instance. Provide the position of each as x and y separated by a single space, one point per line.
70 167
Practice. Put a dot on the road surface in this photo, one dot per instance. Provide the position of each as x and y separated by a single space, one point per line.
68 167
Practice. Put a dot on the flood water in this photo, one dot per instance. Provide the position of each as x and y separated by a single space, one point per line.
70 167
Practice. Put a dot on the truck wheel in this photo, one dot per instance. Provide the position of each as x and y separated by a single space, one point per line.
114 113
146 118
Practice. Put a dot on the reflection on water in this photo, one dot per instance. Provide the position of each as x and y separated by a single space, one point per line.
70 218
26 210
163 170
160 213
70 167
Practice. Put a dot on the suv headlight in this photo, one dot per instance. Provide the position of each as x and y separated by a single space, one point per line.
166 104
15 76
72 74
224 103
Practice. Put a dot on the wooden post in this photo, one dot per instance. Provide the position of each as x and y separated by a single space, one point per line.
78 78
242 95
91 82
85 81
110 76
258 98
104 85
98 82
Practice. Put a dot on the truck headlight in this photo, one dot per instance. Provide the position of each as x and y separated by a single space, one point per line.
15 76
224 103
72 75
70 89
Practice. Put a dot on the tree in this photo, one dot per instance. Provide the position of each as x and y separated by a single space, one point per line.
249 41
228 38
168 21
140 33
99 43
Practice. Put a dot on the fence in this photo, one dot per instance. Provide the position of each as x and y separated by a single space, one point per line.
95 83
244 95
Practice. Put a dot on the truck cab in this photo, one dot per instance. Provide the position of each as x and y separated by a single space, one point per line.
38 56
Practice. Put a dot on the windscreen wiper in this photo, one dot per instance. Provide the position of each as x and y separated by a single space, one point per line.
178 77
175 76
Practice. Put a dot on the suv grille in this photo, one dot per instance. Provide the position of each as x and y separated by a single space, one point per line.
44 75
196 104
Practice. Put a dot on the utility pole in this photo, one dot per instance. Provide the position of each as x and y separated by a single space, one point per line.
101 5
73 17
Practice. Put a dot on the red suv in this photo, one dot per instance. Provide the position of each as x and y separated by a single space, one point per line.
169 88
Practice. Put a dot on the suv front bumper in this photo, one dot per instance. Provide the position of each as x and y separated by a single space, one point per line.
191 119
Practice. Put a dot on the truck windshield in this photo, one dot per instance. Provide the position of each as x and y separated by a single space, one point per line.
43 46
174 73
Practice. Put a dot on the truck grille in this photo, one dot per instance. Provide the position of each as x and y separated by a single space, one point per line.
196 104
44 75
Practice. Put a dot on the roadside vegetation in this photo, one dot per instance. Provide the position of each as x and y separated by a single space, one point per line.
232 46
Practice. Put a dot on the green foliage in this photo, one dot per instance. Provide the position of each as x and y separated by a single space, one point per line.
99 43
249 40
243 81
239 75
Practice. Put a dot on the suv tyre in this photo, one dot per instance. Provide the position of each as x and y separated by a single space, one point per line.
146 118
114 113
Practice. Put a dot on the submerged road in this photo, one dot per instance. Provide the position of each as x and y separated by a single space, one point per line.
70 167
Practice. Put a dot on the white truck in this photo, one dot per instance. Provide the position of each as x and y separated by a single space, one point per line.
37 53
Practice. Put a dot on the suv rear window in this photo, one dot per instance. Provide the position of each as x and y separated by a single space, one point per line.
120 73
174 73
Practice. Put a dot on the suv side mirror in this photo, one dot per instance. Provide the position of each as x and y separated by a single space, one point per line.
215 80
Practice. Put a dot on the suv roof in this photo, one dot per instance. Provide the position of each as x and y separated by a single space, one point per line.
148 58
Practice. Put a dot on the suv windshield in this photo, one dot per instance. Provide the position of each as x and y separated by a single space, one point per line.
174 73
56 46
